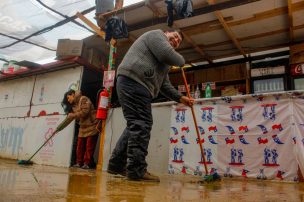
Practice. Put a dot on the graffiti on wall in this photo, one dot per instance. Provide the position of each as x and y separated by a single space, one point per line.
48 152
11 139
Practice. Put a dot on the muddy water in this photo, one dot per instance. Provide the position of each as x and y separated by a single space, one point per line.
47 183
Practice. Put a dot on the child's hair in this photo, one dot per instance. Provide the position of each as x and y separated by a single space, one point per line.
67 107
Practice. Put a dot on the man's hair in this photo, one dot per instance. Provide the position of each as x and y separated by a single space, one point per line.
176 30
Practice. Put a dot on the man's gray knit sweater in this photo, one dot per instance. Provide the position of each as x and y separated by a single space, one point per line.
148 62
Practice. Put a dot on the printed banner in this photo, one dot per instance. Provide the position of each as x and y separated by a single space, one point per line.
258 136
108 78
182 88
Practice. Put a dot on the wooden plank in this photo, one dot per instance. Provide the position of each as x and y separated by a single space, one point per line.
265 34
206 24
101 146
93 27
118 5
230 33
290 20
283 45
228 30
197 48
156 12
197 12
257 17
189 40
248 76
101 21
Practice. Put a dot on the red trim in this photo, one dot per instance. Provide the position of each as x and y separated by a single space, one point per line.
50 66
297 69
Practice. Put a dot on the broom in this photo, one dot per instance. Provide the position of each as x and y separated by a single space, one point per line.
209 177
59 128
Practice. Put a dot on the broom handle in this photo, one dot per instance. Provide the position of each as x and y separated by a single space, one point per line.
54 133
60 127
195 122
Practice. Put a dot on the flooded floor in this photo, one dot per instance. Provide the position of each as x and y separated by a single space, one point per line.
47 183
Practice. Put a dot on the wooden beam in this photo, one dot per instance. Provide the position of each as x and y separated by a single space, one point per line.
290 20
198 11
283 45
93 27
124 9
197 48
156 12
118 5
298 27
257 17
127 8
228 30
265 34
101 24
230 33
101 21
189 40
206 24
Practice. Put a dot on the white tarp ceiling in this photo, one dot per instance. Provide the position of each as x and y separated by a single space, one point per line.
256 25
21 18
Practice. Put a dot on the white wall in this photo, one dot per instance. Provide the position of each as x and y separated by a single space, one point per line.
158 155
15 96
22 135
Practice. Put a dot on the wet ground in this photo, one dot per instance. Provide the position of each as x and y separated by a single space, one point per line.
47 183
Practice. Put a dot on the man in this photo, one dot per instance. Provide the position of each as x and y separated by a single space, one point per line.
142 74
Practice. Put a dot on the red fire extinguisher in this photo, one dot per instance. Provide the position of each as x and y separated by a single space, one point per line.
103 103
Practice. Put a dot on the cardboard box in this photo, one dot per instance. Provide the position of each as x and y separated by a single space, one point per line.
96 58
229 91
69 48
297 53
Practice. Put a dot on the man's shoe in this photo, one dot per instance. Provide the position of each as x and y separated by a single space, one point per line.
150 177
147 177
113 172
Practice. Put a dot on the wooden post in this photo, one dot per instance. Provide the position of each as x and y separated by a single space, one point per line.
101 145
248 72
111 64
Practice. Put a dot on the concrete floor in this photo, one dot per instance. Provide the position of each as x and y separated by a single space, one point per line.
47 183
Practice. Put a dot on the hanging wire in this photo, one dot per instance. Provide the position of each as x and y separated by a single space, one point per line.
49 28
28 42
2 59
65 16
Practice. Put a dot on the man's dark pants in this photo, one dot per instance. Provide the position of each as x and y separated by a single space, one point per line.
132 147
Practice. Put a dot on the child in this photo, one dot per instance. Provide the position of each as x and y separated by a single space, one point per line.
81 108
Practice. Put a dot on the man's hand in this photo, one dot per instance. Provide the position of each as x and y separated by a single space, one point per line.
71 115
187 101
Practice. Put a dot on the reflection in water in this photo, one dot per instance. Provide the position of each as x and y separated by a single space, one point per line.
8 179
45 183
81 185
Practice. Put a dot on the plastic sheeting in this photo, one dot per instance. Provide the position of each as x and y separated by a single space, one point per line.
21 18
259 136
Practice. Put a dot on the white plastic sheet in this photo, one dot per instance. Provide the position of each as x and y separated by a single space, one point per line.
21 18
